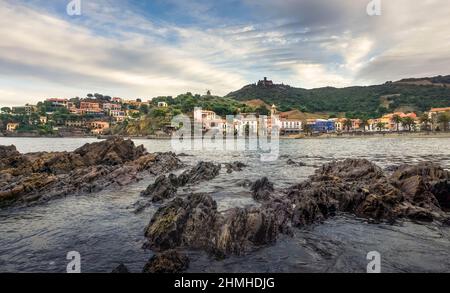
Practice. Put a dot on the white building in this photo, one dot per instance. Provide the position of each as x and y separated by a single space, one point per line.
162 105
290 126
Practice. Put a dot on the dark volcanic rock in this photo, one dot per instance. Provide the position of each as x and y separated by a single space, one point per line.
243 229
194 222
349 170
352 186
262 189
168 262
163 188
121 269
204 171
426 184
291 162
181 222
234 167
113 151
91 168
11 158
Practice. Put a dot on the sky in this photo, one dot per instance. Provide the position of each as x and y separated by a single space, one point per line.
144 49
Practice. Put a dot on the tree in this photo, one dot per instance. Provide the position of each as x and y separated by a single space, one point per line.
444 119
144 109
308 129
425 120
408 123
6 110
364 123
348 124
381 126
397 120
261 110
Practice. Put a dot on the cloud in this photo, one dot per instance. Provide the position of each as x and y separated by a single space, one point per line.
146 49
47 49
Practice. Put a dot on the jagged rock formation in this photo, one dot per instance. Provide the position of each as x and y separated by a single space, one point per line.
262 189
26 178
234 167
168 262
358 187
166 187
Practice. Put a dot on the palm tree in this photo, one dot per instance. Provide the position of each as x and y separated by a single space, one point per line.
348 124
425 120
408 122
364 123
380 126
308 129
397 120
444 119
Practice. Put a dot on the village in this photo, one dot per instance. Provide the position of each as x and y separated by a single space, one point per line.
437 119
97 115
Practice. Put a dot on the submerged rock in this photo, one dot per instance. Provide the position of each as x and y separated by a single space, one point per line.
234 167
168 262
121 269
291 162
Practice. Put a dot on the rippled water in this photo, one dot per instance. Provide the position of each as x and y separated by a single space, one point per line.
106 232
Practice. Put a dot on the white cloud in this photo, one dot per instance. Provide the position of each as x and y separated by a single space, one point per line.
115 50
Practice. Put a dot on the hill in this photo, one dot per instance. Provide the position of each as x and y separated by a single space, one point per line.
358 101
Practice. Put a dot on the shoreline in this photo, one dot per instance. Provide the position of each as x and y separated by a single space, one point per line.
296 137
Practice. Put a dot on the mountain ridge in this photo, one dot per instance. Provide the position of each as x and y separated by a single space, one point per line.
415 94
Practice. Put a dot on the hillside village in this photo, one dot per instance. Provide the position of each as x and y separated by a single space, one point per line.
103 115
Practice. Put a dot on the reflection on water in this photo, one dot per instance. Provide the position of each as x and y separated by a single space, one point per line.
104 229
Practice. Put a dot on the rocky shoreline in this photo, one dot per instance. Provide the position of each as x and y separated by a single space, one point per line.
420 193
38 177
416 192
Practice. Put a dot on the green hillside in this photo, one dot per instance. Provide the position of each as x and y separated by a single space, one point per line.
369 101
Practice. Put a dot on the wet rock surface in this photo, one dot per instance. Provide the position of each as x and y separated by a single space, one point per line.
168 262
27 178
165 187
262 189
234 167
357 187
195 222
202 172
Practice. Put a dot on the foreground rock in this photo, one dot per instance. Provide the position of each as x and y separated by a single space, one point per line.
262 189
204 171
358 187
194 222
168 262
166 187
26 178
234 167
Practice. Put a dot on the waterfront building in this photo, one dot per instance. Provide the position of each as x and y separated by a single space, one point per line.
12 127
